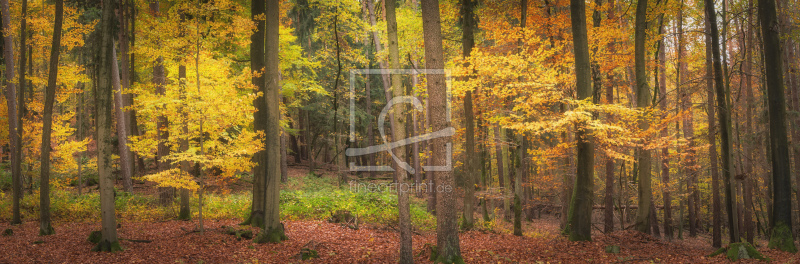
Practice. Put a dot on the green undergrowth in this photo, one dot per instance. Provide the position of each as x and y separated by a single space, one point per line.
307 198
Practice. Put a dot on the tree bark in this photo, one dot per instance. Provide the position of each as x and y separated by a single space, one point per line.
123 131
166 194
781 237
256 217
269 164
712 150
104 117
47 124
467 43
185 210
662 86
725 125
398 133
447 241
580 209
643 104
11 96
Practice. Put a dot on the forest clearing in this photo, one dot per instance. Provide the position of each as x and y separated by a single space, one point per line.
386 131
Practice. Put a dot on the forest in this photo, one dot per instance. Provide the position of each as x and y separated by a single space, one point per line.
518 131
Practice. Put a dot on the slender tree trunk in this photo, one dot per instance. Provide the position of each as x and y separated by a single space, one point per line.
781 237
662 86
608 200
725 126
47 124
123 131
398 133
447 242
104 116
470 164
749 180
269 164
642 103
258 8
712 150
11 95
21 109
579 224
166 194
185 210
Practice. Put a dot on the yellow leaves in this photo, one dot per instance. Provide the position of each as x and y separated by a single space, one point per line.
172 178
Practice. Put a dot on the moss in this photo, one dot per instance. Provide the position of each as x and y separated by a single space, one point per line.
613 249
737 251
106 246
46 229
272 235
450 260
185 215
781 238
95 237
719 251
8 232
434 251
306 254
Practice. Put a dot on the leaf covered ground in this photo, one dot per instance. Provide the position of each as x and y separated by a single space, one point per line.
177 242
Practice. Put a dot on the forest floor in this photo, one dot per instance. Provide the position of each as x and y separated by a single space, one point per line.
171 241
178 242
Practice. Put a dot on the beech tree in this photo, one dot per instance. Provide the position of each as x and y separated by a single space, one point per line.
781 224
447 242
579 224
104 108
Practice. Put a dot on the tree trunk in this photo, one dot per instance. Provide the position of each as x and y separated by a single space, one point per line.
662 86
447 241
104 116
470 163
123 129
643 103
269 164
712 150
186 210
781 237
725 126
21 109
47 124
398 133
166 194
11 95
256 217
749 180
579 224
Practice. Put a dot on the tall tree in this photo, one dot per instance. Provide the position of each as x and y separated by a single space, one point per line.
257 8
447 242
11 95
468 24
47 124
724 117
398 133
580 209
104 116
781 237
21 111
270 161
643 103
122 82
521 155
712 155
608 200
166 194
661 74
185 212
